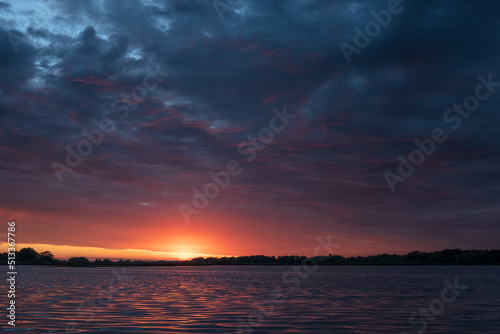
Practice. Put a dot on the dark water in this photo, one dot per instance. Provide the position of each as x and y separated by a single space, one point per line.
223 299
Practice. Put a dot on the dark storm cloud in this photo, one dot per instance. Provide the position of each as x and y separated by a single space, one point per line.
224 80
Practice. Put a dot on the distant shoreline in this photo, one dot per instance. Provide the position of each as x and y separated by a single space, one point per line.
447 257
246 265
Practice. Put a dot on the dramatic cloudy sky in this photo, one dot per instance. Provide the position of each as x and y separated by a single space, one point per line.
64 63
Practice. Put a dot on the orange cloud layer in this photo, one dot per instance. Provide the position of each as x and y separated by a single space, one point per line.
66 252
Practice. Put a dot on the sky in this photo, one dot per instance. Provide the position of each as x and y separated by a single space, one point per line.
118 116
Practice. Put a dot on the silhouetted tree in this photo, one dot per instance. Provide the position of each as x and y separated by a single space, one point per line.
78 261
27 255
46 256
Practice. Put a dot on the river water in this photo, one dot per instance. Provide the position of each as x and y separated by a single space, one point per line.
257 299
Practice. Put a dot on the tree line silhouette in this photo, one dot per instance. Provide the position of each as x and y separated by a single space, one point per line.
445 257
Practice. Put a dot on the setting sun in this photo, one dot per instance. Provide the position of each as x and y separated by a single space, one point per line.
185 256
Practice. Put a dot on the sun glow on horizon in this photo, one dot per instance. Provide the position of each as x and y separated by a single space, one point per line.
64 252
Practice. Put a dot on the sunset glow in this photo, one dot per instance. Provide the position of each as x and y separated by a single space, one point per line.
128 131
66 252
